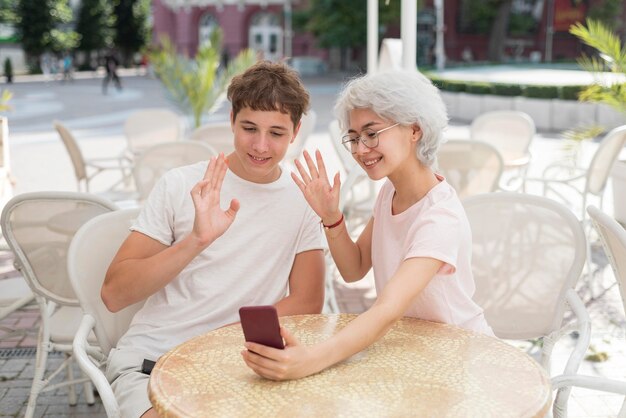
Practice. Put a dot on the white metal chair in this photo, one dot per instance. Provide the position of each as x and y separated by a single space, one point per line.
148 127
471 167
156 160
613 238
306 128
584 181
90 254
510 132
38 228
218 135
528 253
87 169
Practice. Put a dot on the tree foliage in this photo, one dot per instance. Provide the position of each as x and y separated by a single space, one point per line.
95 25
131 26
39 24
8 11
342 23
611 56
195 85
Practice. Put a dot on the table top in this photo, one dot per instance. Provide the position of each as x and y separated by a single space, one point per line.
419 368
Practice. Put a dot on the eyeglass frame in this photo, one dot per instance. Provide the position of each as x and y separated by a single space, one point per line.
348 148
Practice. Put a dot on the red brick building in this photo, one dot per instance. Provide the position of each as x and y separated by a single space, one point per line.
265 25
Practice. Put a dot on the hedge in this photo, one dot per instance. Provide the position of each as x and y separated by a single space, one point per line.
569 92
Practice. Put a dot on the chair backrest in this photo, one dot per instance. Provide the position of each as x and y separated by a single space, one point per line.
158 159
218 135
527 252
148 127
38 227
346 159
604 158
509 131
90 253
613 237
72 149
306 128
471 167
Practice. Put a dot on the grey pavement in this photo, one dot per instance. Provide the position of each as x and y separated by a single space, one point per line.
39 162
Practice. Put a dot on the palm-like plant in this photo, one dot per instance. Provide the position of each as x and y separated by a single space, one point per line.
612 56
5 96
197 85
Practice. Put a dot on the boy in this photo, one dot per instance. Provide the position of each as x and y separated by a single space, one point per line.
194 263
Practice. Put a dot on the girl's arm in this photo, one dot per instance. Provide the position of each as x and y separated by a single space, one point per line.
353 259
297 360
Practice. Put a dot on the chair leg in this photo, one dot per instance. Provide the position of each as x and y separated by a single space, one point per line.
71 389
88 389
40 369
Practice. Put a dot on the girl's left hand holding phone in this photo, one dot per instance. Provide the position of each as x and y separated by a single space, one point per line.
294 362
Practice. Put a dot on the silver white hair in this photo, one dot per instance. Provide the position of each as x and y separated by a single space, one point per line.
407 97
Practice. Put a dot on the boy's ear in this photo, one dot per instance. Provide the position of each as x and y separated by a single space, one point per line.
232 121
295 132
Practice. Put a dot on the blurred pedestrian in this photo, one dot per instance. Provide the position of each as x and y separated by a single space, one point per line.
110 65
67 67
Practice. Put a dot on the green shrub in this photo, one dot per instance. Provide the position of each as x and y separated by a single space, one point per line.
570 92
505 89
454 85
541 92
478 88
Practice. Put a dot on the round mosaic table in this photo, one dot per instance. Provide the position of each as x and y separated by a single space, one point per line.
419 368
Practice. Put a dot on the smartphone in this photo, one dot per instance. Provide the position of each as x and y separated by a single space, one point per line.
260 325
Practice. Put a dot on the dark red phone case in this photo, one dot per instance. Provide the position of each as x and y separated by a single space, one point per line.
260 325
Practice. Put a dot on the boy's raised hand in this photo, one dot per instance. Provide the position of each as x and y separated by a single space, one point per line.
315 186
210 220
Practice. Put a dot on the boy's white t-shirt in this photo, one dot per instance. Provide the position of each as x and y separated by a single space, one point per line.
435 227
248 265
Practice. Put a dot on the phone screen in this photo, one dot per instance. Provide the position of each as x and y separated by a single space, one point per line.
260 325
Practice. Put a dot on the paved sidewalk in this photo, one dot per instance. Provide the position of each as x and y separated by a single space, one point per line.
40 163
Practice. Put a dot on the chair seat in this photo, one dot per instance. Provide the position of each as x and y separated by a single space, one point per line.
64 323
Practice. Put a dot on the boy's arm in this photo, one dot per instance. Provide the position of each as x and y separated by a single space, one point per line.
143 266
306 285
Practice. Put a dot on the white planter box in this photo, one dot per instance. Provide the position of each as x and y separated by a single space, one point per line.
470 106
618 175
451 100
609 117
538 109
568 114
491 103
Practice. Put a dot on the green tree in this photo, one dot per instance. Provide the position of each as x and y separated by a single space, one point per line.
131 26
611 57
7 11
342 23
608 12
195 85
95 25
39 23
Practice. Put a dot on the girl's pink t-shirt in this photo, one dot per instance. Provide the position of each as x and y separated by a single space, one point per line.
435 227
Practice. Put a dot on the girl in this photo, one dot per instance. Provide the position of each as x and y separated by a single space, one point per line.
418 240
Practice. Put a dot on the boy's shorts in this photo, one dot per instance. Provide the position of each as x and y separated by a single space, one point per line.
129 384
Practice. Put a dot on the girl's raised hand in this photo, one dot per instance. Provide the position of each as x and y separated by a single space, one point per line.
321 196
210 220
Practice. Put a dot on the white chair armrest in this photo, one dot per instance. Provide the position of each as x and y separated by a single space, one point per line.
81 348
589 382
583 326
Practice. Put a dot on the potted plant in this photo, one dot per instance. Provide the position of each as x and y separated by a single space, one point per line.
611 57
197 85
8 70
